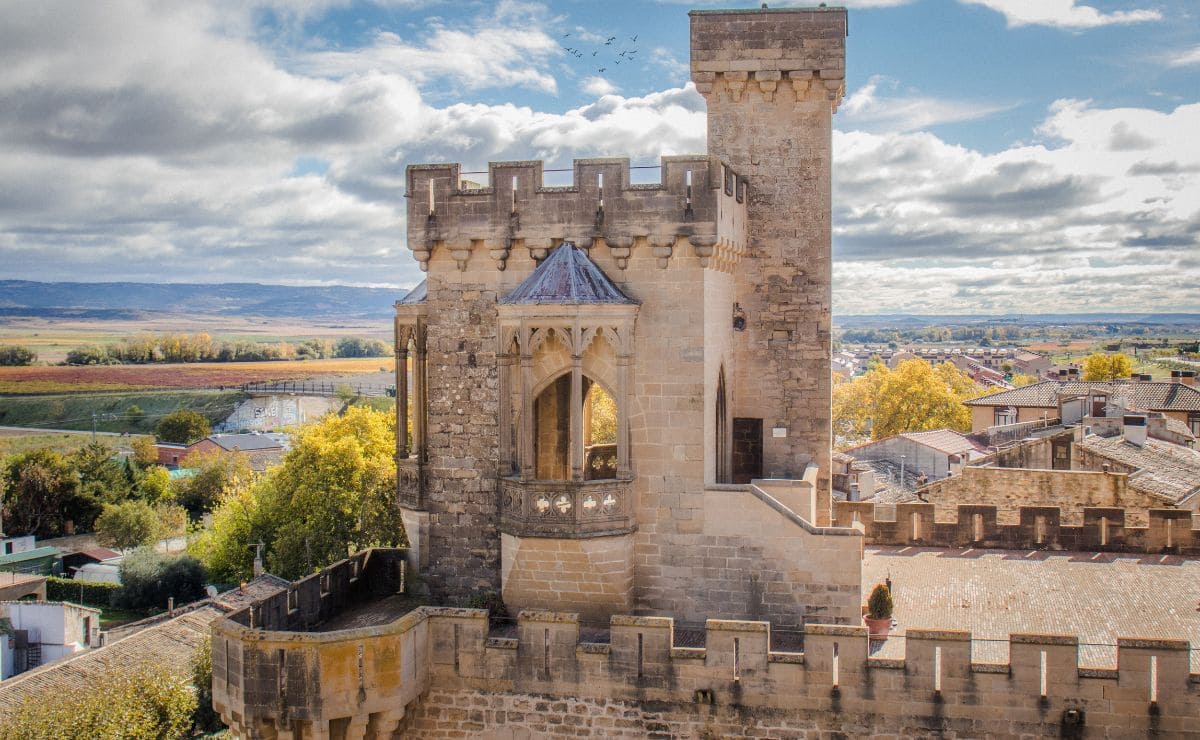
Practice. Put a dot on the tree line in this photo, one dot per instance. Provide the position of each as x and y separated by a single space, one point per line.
147 348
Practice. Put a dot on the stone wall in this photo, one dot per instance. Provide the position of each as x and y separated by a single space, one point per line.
770 79
1035 528
437 673
1071 491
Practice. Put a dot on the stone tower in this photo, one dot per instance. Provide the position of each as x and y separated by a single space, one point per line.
619 394
771 79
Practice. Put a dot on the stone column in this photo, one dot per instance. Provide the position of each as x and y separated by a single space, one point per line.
420 440
504 367
526 425
623 470
576 418
402 401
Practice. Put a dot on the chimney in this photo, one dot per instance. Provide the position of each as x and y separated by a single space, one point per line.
1176 376
1073 372
853 496
1134 429
1187 377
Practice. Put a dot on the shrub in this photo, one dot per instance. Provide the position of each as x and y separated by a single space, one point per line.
144 702
879 606
100 595
149 578
205 718
11 356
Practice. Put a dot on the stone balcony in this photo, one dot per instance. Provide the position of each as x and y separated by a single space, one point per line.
566 509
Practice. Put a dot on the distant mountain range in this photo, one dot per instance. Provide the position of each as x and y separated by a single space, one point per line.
137 300
919 320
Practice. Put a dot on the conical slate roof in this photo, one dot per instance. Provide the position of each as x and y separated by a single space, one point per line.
567 276
417 294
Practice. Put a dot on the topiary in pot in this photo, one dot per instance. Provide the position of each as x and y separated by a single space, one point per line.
879 612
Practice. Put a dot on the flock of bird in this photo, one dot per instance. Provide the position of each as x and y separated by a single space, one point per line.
626 55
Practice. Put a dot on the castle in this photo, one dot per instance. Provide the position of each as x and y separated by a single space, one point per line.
613 406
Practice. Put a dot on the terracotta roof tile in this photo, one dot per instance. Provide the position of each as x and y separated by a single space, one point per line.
1150 396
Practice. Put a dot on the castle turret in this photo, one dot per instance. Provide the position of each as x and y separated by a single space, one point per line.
772 79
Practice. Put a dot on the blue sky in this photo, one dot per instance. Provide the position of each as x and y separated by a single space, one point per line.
991 156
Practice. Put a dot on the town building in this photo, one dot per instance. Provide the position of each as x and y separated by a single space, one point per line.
1070 401
33 633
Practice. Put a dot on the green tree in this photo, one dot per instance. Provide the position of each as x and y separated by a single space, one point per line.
333 493
149 578
145 702
1103 366
42 493
183 427
11 355
127 525
101 475
172 520
913 397
215 472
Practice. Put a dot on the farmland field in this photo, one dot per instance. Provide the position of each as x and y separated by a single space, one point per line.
98 378
17 442
53 338
136 413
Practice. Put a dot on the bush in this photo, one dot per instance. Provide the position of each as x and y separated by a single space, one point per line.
100 595
149 578
205 719
879 606
359 347
91 355
12 356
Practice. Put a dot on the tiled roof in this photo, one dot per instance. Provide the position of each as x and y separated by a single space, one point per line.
249 442
1166 470
945 440
169 642
567 276
1150 396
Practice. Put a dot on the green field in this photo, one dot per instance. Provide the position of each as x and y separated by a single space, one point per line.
113 412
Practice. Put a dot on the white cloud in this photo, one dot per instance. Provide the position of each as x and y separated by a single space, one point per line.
503 51
870 108
1185 58
1062 13
598 86
162 139
1081 222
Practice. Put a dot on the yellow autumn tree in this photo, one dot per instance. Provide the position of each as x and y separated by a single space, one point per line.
913 397
1103 366
334 492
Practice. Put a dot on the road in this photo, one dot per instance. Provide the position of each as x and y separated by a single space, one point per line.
45 430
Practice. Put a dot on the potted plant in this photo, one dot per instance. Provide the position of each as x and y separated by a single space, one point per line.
879 612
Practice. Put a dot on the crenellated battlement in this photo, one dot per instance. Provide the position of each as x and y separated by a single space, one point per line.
698 204
639 660
1037 527
786 54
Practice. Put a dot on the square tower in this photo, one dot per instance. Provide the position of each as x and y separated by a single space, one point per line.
618 394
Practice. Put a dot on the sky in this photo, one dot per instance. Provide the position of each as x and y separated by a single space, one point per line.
990 156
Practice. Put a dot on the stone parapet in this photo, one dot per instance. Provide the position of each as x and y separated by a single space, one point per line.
566 509
700 205
270 683
1103 529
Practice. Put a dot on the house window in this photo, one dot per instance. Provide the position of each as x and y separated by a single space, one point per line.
1194 422
1006 415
